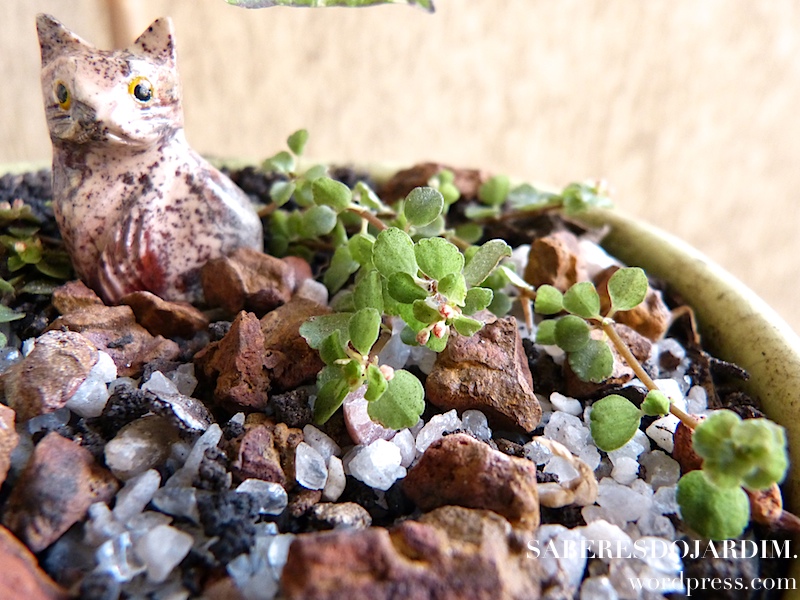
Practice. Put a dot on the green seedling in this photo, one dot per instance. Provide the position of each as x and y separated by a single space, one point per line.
402 261
737 454
29 263
396 261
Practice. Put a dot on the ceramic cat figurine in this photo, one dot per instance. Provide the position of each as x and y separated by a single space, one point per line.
137 207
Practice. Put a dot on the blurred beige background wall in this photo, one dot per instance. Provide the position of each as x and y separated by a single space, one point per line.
690 108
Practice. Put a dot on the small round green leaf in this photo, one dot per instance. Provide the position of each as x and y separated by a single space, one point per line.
716 513
433 229
297 141
437 258
477 299
425 313
767 451
655 404
423 205
483 262
549 301
329 398
393 252
613 422
7 314
368 292
282 162
469 232
30 253
627 288
318 328
438 344
329 192
403 288
332 349
281 191
55 265
454 288
594 362
341 268
361 248
494 191
466 326
713 432
376 384
572 333
317 221
736 452
478 212
401 404
546 333
365 326
527 197
500 305
583 300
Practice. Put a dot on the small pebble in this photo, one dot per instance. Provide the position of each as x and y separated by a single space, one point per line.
435 429
310 469
562 468
571 406
272 498
598 588
538 453
321 442
161 549
116 557
662 469
476 423
178 502
404 440
664 501
568 430
625 470
377 465
135 495
184 379
334 486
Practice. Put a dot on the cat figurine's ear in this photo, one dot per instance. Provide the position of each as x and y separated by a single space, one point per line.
56 40
157 42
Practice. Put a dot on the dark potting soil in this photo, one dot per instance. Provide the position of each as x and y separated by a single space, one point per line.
233 517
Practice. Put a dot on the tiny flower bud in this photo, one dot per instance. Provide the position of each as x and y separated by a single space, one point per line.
447 311
388 372
423 337
439 329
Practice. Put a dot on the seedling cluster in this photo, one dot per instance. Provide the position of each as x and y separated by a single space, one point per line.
29 263
737 454
406 263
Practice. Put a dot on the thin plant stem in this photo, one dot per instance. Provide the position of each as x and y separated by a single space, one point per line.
369 217
633 363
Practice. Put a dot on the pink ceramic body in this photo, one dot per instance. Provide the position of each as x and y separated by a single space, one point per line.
137 207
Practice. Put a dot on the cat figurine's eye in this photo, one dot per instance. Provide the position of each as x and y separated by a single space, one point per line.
141 89
62 96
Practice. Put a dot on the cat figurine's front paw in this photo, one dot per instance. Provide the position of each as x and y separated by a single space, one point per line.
137 207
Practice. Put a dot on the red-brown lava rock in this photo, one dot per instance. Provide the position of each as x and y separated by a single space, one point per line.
452 553
54 491
487 371
460 470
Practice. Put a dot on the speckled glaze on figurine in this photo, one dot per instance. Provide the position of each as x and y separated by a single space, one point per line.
137 207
